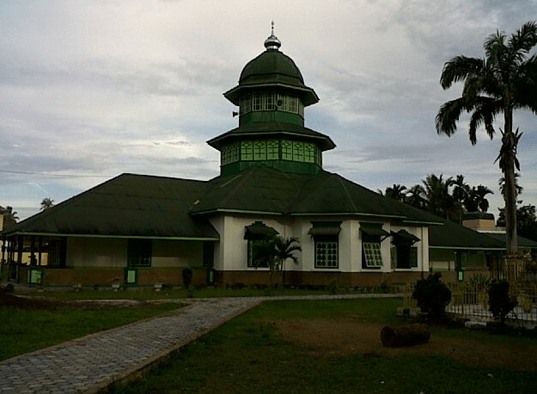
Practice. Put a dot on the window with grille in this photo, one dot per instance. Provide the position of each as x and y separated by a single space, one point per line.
247 152
372 255
273 150
326 252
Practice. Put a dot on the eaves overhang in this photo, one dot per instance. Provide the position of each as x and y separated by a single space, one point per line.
237 134
118 236
307 95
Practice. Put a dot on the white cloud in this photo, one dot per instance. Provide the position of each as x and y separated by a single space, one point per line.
91 89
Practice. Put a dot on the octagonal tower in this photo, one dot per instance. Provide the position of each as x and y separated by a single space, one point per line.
271 96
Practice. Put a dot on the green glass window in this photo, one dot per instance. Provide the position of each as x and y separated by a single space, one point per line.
287 150
247 152
298 151
273 150
234 152
225 155
309 153
260 150
293 104
371 254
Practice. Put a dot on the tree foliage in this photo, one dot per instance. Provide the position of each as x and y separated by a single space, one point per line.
448 198
46 203
502 82
274 252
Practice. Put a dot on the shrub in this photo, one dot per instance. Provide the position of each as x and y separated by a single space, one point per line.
187 277
499 301
432 296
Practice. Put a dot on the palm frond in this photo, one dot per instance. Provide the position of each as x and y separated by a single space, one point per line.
459 68
448 116
523 40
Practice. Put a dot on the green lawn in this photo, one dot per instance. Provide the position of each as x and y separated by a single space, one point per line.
23 331
177 293
245 356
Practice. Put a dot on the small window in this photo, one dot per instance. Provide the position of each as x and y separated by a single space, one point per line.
298 151
404 257
326 252
372 257
247 152
245 104
257 102
139 252
309 153
273 150
260 150
254 254
269 101
287 150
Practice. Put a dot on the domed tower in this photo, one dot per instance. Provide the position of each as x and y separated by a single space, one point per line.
271 96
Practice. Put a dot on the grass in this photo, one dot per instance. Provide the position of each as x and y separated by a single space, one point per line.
178 293
23 331
246 356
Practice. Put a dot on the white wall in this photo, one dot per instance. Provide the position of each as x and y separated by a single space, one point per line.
96 252
177 253
231 253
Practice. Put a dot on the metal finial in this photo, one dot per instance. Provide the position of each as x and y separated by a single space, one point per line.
272 42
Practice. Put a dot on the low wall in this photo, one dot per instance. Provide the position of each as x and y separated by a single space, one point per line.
297 278
108 276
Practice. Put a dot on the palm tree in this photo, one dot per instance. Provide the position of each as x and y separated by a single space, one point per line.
10 217
274 252
396 192
439 200
47 203
502 82
416 197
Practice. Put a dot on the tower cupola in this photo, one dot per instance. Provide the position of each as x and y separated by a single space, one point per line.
271 96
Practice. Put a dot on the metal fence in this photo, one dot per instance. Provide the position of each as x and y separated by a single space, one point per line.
471 301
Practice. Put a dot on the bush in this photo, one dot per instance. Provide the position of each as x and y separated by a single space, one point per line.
499 301
432 296
187 277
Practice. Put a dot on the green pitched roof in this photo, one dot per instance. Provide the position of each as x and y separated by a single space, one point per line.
521 241
266 190
454 236
266 130
128 205
148 206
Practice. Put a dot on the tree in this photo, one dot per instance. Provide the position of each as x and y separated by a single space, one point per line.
47 203
526 221
10 217
439 199
505 80
274 252
416 197
396 192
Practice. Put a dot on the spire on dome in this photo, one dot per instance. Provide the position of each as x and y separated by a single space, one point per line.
272 42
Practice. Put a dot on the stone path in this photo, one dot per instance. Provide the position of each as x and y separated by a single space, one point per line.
91 363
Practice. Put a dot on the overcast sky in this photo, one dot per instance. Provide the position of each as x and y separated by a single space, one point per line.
93 89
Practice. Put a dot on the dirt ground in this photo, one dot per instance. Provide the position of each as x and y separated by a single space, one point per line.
345 337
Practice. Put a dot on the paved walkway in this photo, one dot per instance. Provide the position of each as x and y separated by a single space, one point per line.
89 364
